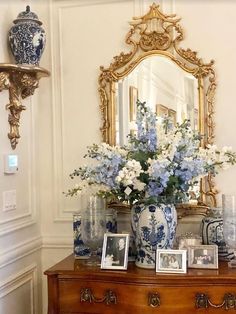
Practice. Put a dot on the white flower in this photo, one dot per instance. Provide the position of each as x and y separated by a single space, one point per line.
139 185
129 173
227 149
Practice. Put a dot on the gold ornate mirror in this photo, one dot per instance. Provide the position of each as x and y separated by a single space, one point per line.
172 80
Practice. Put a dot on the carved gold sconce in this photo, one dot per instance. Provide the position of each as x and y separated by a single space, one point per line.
21 81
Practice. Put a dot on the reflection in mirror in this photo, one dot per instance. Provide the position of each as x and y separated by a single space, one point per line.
172 80
166 88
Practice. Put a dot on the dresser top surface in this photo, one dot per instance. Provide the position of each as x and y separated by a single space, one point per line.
73 268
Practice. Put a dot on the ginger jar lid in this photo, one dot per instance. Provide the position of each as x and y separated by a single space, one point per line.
27 15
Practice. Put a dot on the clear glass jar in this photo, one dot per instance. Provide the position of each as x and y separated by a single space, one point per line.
93 227
212 233
96 202
212 227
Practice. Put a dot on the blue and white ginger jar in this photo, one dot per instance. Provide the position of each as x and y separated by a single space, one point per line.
154 227
27 38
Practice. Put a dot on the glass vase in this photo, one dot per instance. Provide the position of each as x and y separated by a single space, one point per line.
229 224
212 233
93 227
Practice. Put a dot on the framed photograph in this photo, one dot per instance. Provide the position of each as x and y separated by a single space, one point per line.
133 97
171 261
162 110
115 251
172 116
203 256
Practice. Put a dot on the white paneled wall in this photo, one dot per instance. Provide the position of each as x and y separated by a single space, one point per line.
20 286
20 237
63 117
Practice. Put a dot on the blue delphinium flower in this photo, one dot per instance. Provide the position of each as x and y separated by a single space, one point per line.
146 128
190 169
108 170
154 188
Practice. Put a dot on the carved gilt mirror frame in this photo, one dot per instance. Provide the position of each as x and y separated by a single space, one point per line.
159 34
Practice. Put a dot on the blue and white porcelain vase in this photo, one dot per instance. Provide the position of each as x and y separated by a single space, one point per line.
27 38
154 227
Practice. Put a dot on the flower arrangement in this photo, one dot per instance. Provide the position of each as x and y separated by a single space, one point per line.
159 161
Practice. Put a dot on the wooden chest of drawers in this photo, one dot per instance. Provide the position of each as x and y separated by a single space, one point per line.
75 288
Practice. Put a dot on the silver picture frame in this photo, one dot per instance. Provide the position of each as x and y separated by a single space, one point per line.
115 251
203 256
171 261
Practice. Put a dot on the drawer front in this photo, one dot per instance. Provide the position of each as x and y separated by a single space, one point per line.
115 298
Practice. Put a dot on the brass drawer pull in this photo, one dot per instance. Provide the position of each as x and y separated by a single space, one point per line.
203 301
154 299
86 295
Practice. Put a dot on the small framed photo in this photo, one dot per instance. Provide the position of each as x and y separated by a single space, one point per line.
171 261
203 256
162 111
115 251
133 97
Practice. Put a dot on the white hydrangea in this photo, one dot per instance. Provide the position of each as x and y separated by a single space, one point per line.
129 173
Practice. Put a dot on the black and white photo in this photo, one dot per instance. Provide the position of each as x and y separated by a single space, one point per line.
171 261
115 251
203 256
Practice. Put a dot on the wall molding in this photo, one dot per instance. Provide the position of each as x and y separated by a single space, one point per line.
25 216
61 213
15 281
33 245
79 3
16 223
57 241
142 6
20 250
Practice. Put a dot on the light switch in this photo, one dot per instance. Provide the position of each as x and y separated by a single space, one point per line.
9 200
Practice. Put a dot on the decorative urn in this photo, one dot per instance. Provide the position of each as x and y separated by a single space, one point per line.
27 38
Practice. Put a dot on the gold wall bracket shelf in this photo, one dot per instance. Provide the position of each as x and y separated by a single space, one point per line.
21 82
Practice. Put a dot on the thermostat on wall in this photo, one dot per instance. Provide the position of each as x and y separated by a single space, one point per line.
10 163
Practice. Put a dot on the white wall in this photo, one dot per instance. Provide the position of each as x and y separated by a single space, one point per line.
20 236
210 30
63 117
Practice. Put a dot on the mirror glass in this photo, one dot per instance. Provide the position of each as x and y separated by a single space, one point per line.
164 86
